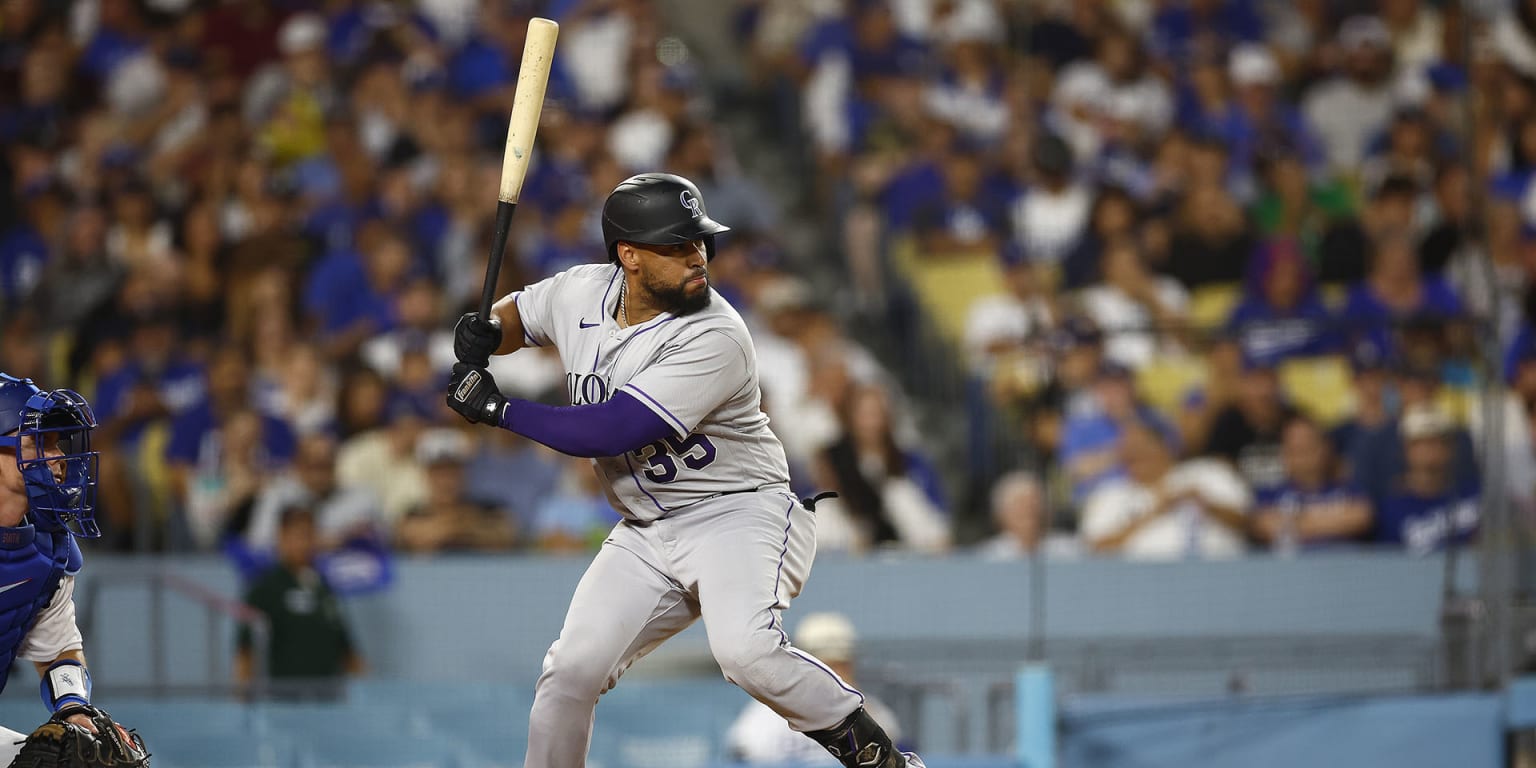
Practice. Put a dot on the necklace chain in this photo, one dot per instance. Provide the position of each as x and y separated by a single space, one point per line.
624 307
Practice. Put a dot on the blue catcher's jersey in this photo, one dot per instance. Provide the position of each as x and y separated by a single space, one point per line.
31 564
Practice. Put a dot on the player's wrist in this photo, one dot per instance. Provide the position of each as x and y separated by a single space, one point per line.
66 683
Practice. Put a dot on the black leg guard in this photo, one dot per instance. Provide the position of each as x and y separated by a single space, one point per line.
860 742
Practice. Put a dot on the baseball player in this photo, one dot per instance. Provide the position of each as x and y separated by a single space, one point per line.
663 384
47 498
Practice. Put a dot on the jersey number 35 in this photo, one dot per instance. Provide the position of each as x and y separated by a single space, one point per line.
662 456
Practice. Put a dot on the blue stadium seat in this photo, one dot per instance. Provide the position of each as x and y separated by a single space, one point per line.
495 734
176 748
373 750
665 725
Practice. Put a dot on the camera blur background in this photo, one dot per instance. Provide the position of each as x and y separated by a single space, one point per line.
1173 360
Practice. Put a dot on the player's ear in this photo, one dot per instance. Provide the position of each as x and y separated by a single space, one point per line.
628 259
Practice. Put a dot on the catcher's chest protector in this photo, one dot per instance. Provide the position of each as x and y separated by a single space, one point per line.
31 564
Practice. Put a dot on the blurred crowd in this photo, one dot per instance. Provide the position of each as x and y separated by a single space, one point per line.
1258 260
1259 263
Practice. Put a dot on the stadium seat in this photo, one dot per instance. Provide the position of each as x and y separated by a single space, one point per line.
1164 382
1319 387
1211 305
948 284
181 748
637 728
363 750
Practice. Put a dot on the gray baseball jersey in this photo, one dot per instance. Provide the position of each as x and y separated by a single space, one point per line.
698 372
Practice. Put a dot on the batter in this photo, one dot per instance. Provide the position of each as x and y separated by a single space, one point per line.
663 384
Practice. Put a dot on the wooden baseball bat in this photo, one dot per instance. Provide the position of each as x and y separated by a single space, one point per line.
527 103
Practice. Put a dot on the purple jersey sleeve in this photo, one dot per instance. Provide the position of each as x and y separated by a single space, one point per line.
617 426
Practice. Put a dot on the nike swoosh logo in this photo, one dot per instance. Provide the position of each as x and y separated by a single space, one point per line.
10 587
584 324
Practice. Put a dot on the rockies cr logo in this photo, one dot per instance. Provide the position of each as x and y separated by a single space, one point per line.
691 203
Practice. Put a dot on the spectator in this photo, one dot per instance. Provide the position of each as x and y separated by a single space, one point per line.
1369 385
1380 456
1090 452
448 519
888 495
1164 511
351 297
1004 325
1281 314
1115 83
1428 509
288 102
383 459
1211 240
1394 291
1139 311
1346 246
513 473
1051 215
1247 433
761 736
964 216
309 647
221 450
1114 218
1018 508
576 516
1295 205
1312 507
1076 354
1348 109
340 514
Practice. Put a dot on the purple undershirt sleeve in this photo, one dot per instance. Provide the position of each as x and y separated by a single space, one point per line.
618 426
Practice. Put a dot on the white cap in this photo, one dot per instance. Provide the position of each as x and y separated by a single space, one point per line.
1252 64
827 636
302 33
784 293
437 446
1360 31
1425 421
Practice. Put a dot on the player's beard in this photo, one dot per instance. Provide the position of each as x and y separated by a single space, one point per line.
676 300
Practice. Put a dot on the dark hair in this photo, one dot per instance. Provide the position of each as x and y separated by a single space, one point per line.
1396 185
295 514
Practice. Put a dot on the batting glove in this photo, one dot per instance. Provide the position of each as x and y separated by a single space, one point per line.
472 394
475 340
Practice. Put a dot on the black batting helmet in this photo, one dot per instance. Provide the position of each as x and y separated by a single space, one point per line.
657 209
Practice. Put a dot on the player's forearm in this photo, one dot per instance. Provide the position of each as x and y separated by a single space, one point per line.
74 655
505 312
617 426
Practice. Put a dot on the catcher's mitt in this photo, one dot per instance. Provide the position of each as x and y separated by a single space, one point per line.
59 743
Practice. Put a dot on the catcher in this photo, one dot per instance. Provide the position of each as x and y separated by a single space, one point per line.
47 499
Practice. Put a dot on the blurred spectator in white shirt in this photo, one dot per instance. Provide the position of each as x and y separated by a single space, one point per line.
1166 511
1349 109
1000 326
1019 512
1051 216
761 736
1114 85
1139 311
340 513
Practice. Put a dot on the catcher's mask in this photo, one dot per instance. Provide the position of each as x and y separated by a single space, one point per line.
50 435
